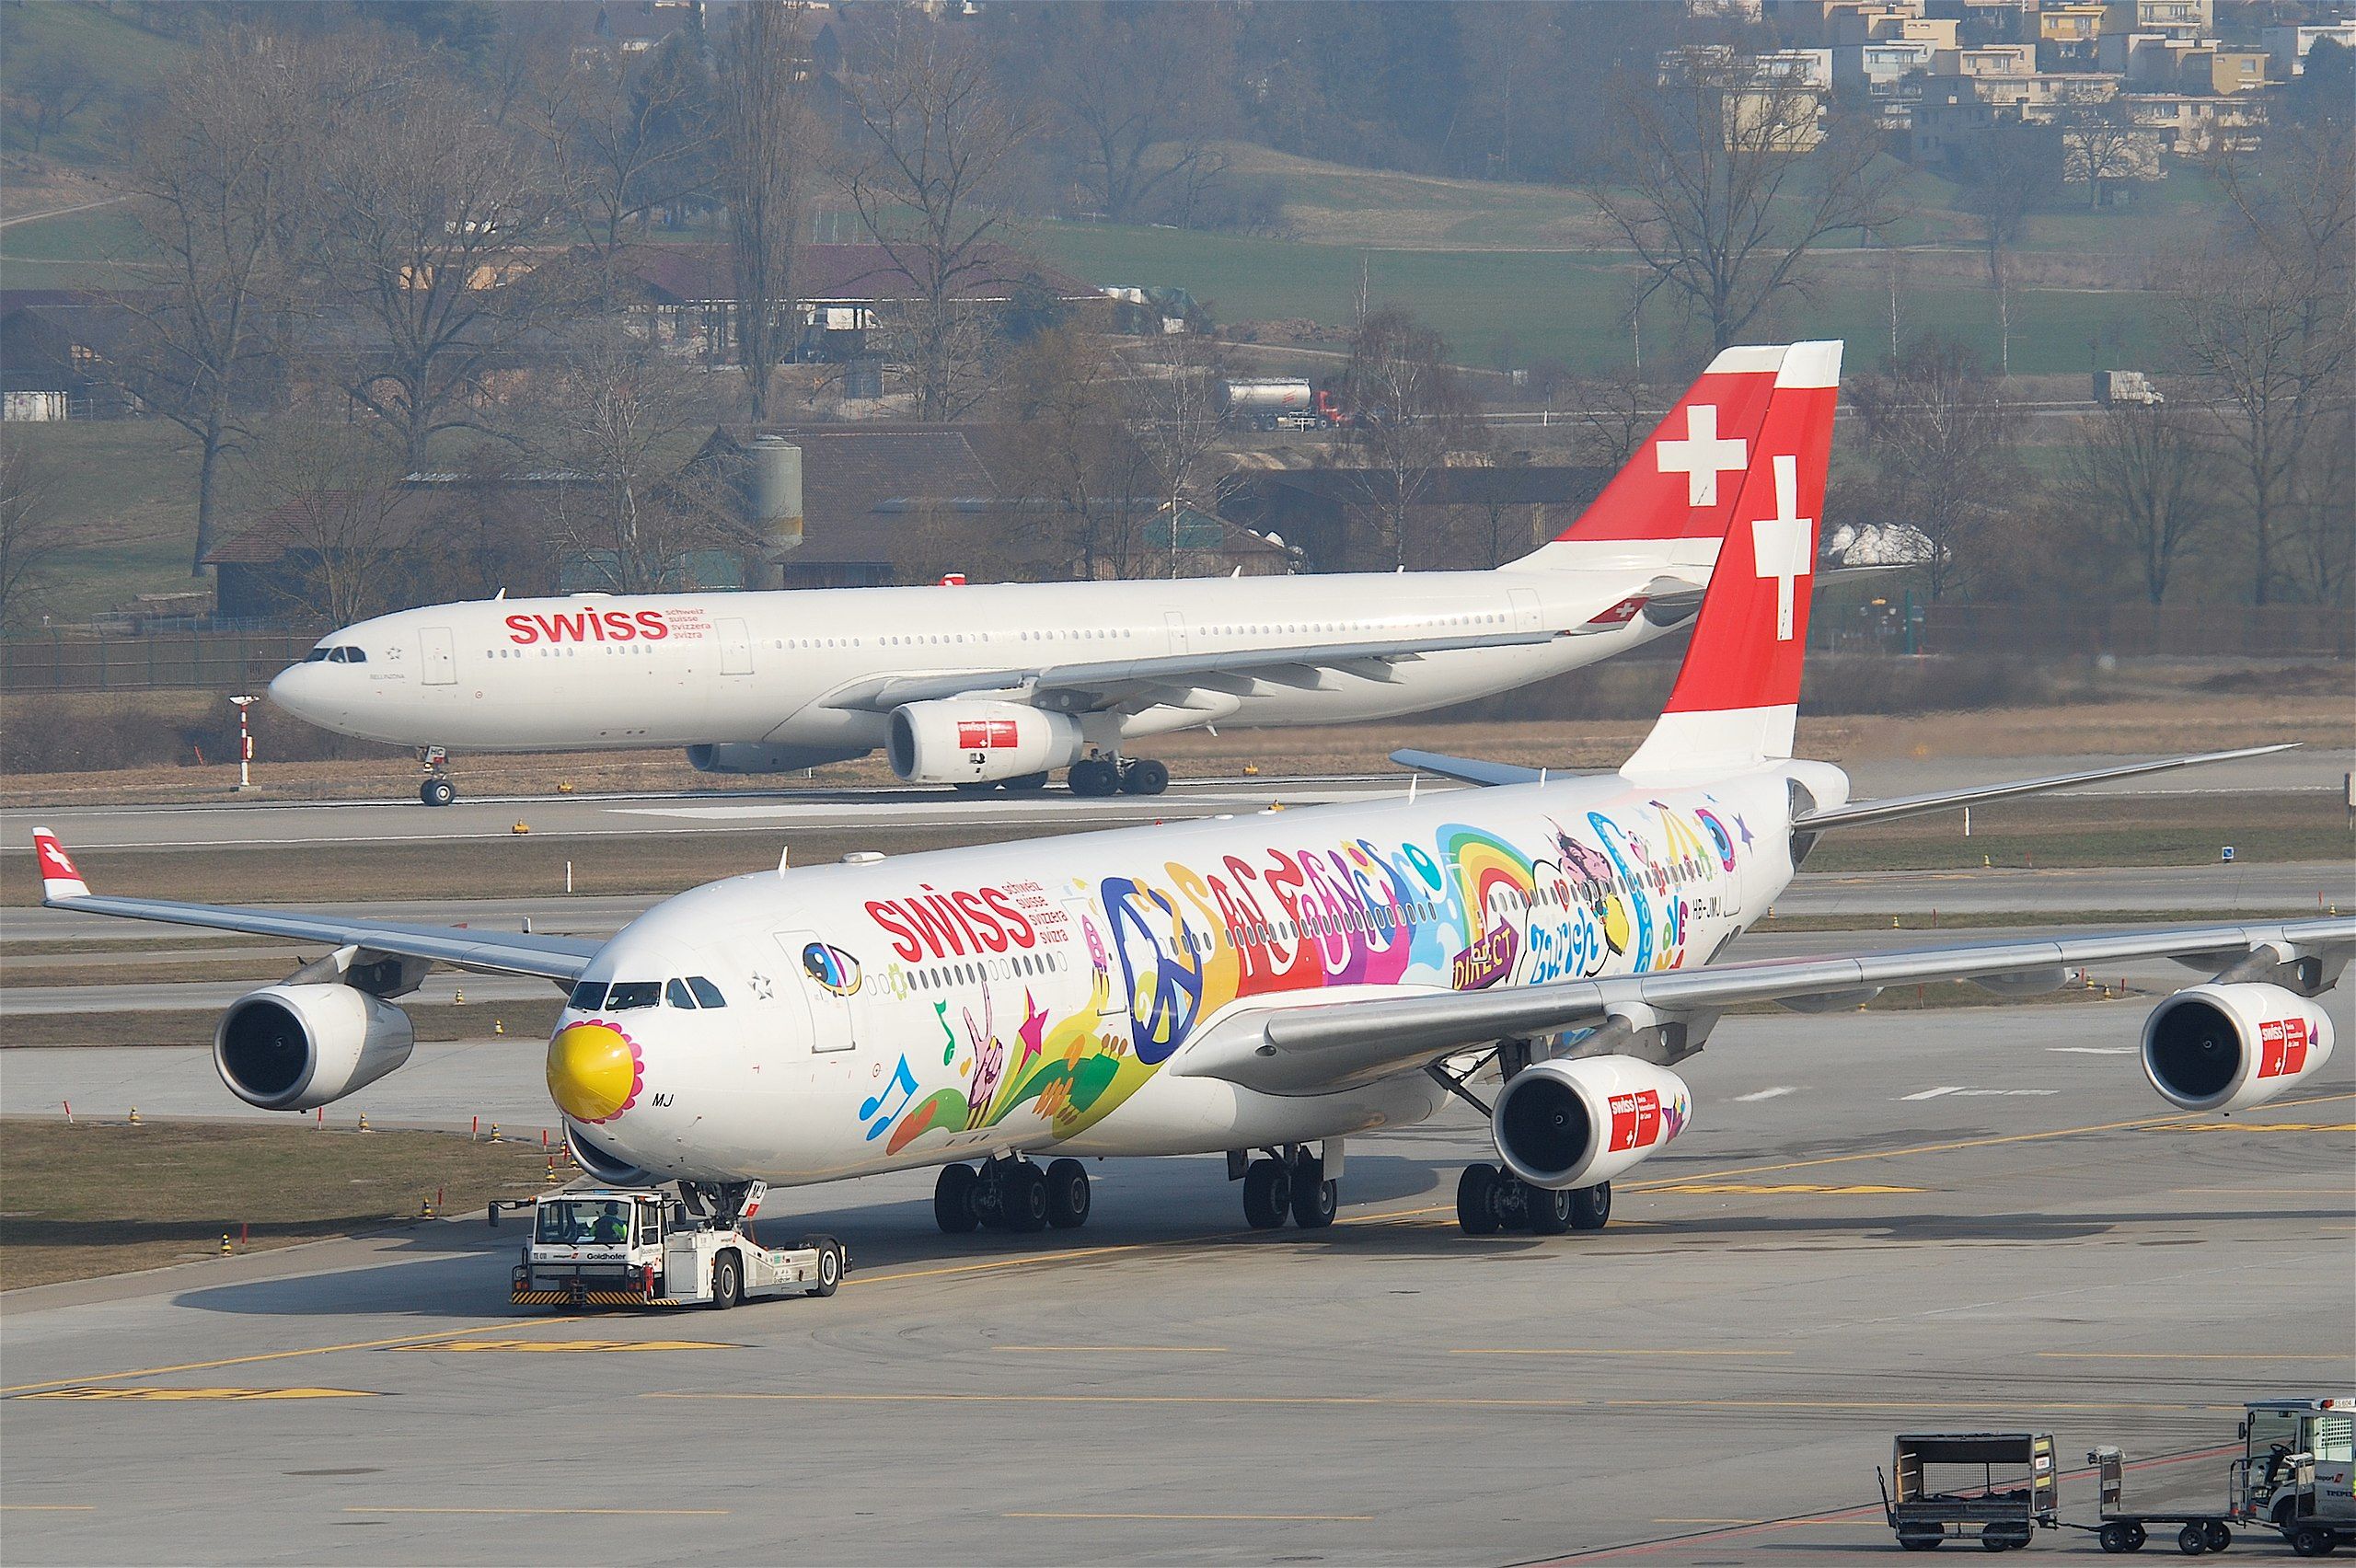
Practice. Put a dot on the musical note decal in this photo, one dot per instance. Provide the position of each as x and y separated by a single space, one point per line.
903 1085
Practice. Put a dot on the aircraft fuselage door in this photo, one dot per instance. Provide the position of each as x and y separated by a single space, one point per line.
441 657
1176 622
1525 610
830 982
735 649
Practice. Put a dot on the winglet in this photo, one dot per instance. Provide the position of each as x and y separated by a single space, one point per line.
59 880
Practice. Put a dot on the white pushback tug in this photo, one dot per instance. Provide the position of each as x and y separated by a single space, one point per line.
633 1247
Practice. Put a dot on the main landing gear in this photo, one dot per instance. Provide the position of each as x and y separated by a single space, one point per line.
435 788
1101 776
1489 1200
1011 1194
1289 1182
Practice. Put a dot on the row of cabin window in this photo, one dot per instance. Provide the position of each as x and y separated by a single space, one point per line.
695 991
1023 963
1271 629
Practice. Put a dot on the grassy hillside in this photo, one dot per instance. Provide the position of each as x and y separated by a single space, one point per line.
124 494
124 59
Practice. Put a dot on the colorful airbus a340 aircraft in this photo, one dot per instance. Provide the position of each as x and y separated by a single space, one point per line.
998 685
1277 983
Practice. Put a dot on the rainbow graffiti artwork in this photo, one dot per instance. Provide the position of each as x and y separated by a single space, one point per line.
1163 954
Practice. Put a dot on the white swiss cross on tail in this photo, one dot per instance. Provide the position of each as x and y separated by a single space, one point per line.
1702 456
58 877
1780 544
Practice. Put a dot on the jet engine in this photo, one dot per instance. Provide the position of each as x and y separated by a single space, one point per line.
978 743
746 756
290 1047
2221 1047
1574 1123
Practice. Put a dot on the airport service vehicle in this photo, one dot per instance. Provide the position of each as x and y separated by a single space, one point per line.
1279 403
2002 1515
1267 986
2292 1477
628 1247
999 686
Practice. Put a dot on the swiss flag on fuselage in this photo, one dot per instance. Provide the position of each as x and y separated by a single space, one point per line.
1681 483
1753 623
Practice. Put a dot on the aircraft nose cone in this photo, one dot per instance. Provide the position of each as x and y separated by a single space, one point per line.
595 1071
296 689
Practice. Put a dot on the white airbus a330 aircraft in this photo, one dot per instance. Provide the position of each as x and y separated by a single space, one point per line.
997 686
1277 982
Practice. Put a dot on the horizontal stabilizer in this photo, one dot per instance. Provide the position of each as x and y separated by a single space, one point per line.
1861 813
1468 769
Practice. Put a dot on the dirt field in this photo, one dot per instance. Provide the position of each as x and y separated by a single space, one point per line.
61 1188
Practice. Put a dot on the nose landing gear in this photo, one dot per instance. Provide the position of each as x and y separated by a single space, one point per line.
435 789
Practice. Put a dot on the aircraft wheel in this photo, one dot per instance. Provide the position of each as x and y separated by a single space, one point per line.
954 1191
1092 777
1029 784
1477 1200
1315 1200
1267 1193
1552 1211
437 791
1145 777
1590 1207
1067 1195
1022 1197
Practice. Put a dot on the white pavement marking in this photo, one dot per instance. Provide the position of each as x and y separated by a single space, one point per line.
1776 1093
2092 1050
1969 1093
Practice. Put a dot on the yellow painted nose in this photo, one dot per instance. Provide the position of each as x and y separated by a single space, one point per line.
594 1071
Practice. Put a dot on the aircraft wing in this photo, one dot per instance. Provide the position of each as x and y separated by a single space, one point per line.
1099 682
1318 1047
460 947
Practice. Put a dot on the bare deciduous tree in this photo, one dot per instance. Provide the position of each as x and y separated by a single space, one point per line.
929 182
1139 91
619 427
432 224
2102 144
1720 184
1408 412
2267 317
333 490
1940 443
1072 456
772 153
57 87
2016 166
219 196
2146 482
625 139
29 538
1173 417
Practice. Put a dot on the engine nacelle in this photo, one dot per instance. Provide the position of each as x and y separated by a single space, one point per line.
978 743
2223 1048
294 1047
744 756
1574 1123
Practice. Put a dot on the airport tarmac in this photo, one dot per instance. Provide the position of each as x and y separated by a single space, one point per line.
234 823
1934 1221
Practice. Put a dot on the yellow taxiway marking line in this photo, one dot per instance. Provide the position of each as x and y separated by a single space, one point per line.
2173 1118
561 1512
631 1513
1432 1401
118 1391
1213 1518
1586 1352
1812 1188
564 1345
2270 1126
265 1356
2179 1355
1135 1349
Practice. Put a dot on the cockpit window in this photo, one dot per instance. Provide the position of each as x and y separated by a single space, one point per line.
633 993
677 995
316 654
706 992
588 996
355 655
